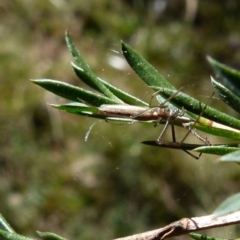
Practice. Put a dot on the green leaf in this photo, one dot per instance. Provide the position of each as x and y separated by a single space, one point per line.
197 236
87 74
146 72
12 236
73 93
227 96
143 69
125 97
231 157
230 205
79 109
217 150
5 225
84 110
227 133
49 236
192 105
229 76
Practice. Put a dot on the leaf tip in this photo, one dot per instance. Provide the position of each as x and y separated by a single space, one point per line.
210 59
36 81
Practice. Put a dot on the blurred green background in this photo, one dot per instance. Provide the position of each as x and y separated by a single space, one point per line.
110 185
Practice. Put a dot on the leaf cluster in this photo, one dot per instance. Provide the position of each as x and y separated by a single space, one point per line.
210 120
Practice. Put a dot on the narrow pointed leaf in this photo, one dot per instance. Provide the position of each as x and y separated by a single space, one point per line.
233 134
125 97
49 236
87 74
5 225
231 157
192 105
143 69
227 96
73 93
79 109
230 205
197 236
12 236
229 76
216 150
146 71
76 107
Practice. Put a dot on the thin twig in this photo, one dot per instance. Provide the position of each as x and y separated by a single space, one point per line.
187 225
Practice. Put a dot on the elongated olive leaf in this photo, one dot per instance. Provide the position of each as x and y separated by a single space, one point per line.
49 236
73 93
79 109
5 225
230 205
231 157
87 74
229 76
192 105
226 95
197 236
227 133
125 97
146 72
12 236
143 69
216 150
84 110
